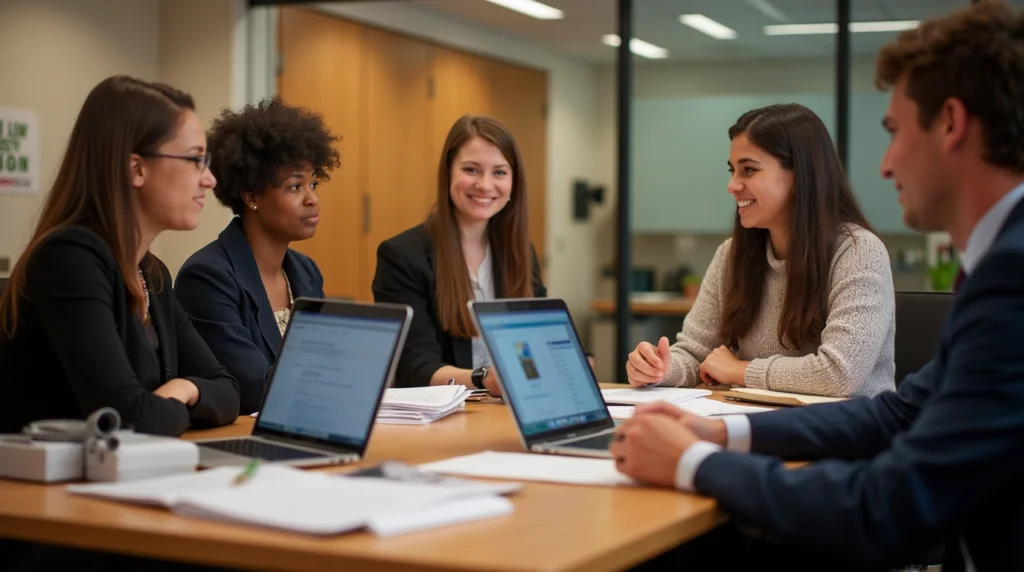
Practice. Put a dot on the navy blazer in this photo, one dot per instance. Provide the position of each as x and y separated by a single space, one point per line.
221 291
405 275
939 460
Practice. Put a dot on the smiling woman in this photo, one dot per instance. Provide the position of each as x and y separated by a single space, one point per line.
238 290
801 297
474 246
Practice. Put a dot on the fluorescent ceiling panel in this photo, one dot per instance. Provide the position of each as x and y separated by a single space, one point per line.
637 46
531 8
706 25
832 28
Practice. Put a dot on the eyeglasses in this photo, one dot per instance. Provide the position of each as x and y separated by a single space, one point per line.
202 161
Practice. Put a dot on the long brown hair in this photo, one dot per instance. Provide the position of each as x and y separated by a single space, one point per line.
507 230
121 116
822 206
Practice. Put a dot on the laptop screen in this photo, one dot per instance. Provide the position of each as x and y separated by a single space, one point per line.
544 371
329 376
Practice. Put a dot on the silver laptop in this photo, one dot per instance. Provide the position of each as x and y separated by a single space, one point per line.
545 376
335 361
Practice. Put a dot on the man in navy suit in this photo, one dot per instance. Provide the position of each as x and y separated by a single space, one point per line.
941 460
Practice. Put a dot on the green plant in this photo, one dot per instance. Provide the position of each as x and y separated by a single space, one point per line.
691 280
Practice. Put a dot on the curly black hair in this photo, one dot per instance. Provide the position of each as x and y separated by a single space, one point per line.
249 146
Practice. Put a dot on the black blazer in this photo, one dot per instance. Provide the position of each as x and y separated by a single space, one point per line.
941 458
78 347
405 275
221 291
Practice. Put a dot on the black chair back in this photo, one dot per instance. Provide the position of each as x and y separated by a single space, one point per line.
919 318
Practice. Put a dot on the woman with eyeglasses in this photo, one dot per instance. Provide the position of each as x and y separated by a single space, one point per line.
88 319
239 289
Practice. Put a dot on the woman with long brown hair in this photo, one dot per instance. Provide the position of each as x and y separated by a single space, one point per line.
801 297
473 246
88 319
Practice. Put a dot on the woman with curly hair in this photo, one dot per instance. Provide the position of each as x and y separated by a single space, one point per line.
238 290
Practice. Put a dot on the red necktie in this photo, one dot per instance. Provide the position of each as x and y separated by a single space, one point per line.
959 279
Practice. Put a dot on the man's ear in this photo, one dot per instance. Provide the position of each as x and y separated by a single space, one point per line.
137 170
952 119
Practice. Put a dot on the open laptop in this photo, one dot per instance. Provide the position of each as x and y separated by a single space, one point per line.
335 361
545 376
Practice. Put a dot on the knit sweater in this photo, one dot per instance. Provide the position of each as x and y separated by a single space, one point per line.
856 352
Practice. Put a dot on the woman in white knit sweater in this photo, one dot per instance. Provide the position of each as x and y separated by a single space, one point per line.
801 297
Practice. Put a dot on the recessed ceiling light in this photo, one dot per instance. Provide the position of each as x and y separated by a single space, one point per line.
638 47
531 8
832 28
702 23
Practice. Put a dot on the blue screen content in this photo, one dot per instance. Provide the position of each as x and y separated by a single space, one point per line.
544 372
328 377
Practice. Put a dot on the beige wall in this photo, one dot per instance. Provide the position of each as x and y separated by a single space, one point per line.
197 55
68 46
55 52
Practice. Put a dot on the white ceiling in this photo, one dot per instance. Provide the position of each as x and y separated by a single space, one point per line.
657 21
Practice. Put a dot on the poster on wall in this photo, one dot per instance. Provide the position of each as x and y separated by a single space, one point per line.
19 151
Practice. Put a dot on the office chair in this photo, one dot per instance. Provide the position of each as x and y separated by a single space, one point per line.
919 319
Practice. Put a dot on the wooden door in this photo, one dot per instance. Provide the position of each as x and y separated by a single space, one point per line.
400 182
518 98
461 86
321 61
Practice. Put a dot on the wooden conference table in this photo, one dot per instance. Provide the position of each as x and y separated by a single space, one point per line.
553 527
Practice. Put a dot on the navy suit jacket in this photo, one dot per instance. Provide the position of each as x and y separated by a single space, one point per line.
938 460
221 291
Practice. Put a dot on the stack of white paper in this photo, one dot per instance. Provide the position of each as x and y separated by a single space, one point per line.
310 502
419 405
633 396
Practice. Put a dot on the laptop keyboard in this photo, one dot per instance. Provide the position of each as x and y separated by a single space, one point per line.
261 450
598 442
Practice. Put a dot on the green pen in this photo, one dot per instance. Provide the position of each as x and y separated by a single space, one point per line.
247 472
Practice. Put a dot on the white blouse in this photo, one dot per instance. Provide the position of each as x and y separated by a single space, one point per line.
483 290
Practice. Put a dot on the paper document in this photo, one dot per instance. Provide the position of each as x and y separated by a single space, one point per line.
400 471
300 501
709 407
621 411
454 512
782 397
420 405
702 406
532 467
633 396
